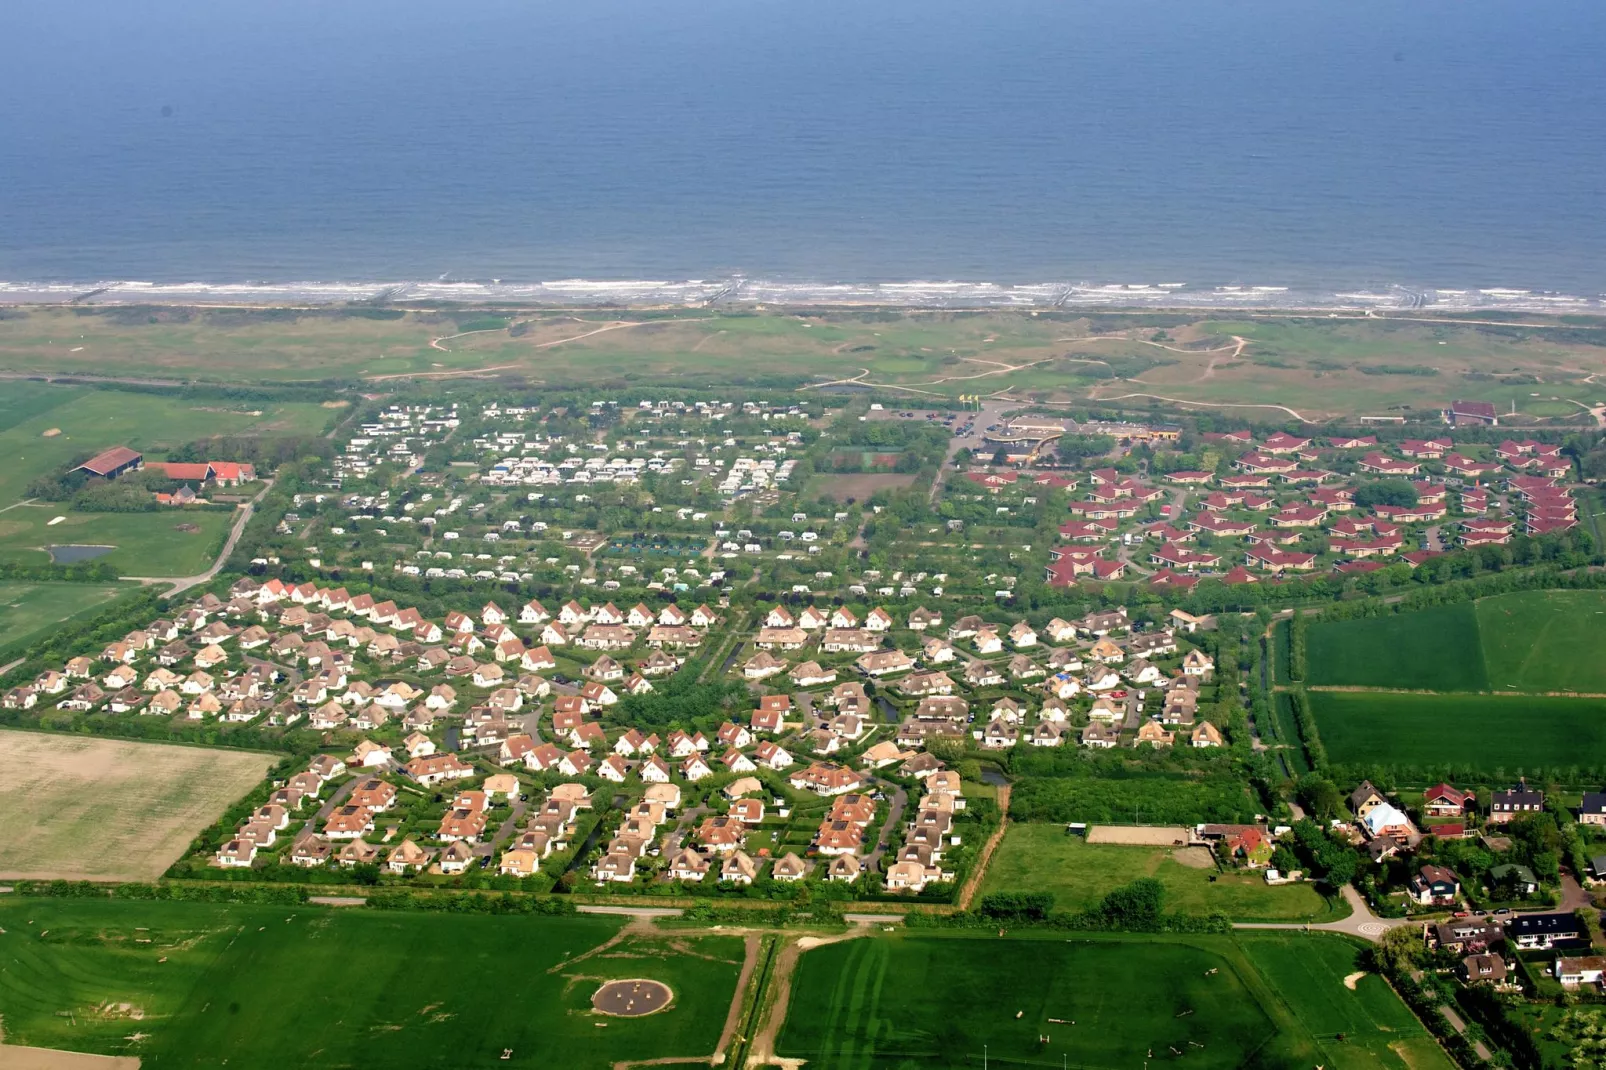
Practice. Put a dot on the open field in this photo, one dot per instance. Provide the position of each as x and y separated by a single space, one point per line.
274 987
1434 649
147 544
90 420
1531 642
1314 366
937 1000
1482 732
107 810
27 610
1046 858
1307 972
856 487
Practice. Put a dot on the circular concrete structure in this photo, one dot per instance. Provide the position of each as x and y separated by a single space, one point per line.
632 998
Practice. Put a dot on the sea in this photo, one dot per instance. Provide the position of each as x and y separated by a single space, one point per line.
1443 153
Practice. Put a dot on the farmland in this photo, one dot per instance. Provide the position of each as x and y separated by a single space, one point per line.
305 986
878 1002
147 544
1316 367
108 810
1482 732
1430 650
86 421
27 610
1045 858
1530 642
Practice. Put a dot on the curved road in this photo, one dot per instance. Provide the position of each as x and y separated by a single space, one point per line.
184 583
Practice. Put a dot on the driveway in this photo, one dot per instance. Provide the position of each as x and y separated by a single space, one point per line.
1361 923
184 583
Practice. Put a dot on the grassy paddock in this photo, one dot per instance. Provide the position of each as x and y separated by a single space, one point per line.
1045 858
109 810
1307 972
1482 732
272 987
29 609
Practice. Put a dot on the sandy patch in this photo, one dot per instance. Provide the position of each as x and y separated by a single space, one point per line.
1353 979
1139 835
338 404
50 432
1194 857
15 1057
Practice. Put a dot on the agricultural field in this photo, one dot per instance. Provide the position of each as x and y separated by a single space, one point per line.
1312 974
1532 642
27 610
174 542
179 983
1483 732
1100 1001
1045 858
84 808
43 426
1434 649
1311 368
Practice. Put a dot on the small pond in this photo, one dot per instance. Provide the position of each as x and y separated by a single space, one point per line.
72 555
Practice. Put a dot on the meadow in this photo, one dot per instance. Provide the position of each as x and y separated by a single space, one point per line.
84 808
27 610
271 987
892 1001
147 544
83 420
1046 858
1532 642
1482 732
1313 367
1307 973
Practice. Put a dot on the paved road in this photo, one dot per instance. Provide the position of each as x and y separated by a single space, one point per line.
1361 923
873 919
184 583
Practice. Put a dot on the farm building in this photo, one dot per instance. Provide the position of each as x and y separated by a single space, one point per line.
112 463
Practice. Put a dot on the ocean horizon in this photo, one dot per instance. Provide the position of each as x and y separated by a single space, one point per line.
1025 152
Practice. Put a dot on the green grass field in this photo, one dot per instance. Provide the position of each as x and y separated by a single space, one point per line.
1435 649
1530 642
274 987
1484 732
1045 858
148 544
938 1000
1307 972
27 610
90 420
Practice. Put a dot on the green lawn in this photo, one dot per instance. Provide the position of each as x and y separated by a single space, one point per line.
274 987
1531 642
28 609
1434 649
1307 972
147 544
1045 858
1483 732
91 420
915 1000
